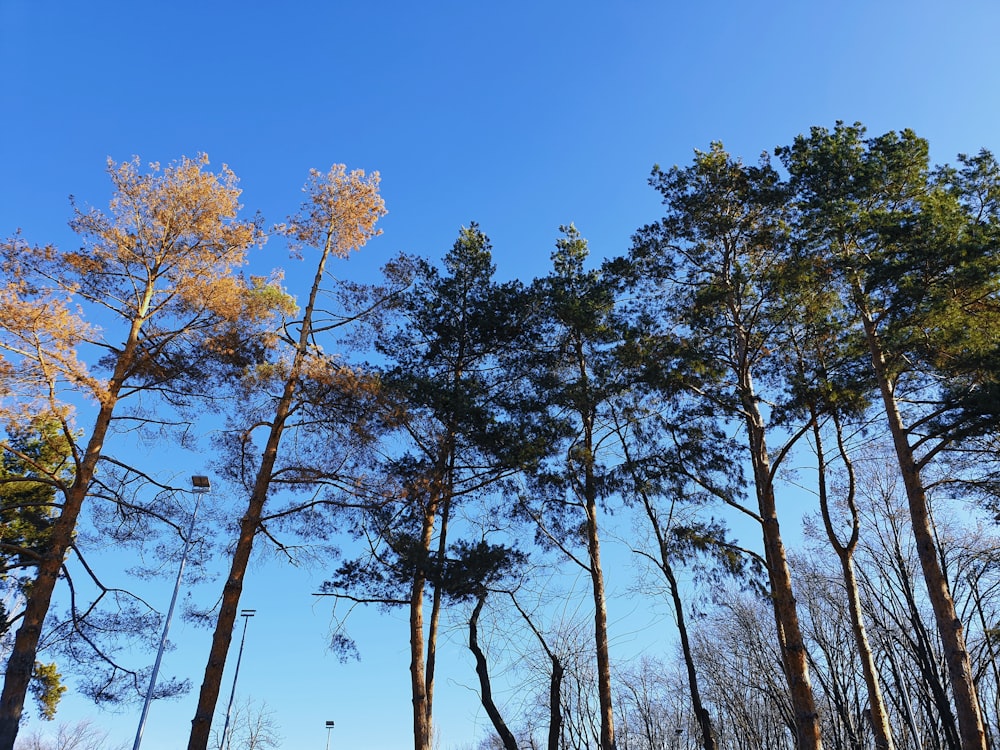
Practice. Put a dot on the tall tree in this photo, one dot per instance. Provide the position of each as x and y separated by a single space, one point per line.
829 389
575 377
338 216
161 267
913 253
713 265
445 380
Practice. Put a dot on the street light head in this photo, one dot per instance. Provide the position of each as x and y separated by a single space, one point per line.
200 483
248 612
329 725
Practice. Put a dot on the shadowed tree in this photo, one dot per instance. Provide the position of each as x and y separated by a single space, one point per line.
456 441
36 457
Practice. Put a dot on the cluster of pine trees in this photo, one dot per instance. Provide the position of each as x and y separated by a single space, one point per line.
825 322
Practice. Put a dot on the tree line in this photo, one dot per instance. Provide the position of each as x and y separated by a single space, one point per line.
823 322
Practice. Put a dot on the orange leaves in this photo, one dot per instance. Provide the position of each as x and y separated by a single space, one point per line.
169 240
162 263
161 267
39 336
340 211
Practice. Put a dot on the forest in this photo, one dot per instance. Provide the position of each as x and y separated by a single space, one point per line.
811 340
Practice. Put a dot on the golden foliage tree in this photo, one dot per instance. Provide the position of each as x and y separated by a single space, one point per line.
338 216
160 269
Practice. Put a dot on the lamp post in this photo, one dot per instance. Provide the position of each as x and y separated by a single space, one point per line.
200 485
246 614
329 726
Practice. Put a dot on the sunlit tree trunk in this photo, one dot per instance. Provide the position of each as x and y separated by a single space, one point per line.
22 657
793 650
422 710
339 216
949 625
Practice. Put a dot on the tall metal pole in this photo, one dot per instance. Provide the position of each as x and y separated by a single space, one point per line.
246 614
329 726
200 486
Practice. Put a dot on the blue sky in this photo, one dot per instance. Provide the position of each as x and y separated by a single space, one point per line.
519 115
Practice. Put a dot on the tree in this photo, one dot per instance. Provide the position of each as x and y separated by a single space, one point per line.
672 463
451 398
574 377
913 254
36 455
338 216
829 389
83 735
845 551
252 726
160 266
712 268
743 675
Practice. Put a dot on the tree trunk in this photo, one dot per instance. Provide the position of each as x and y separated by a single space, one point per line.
485 689
600 630
555 702
793 652
970 721
418 685
700 712
878 712
201 724
418 675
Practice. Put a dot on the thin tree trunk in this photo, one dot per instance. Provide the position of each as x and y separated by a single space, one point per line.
700 712
555 681
485 689
970 722
878 712
437 599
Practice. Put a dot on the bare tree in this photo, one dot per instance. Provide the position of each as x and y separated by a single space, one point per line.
252 726
82 735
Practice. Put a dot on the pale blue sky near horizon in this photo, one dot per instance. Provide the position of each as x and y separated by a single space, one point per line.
521 116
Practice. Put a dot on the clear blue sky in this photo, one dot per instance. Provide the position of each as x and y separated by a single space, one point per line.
519 115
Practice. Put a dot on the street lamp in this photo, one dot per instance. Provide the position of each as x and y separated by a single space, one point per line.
329 726
246 614
199 486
